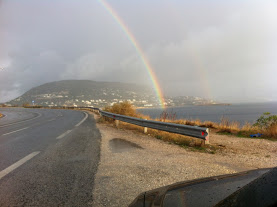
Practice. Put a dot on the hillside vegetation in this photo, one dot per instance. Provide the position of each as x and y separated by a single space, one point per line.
75 93
84 93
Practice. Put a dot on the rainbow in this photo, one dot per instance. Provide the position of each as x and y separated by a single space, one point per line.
138 49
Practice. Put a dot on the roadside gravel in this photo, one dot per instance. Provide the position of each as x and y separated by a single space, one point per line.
122 175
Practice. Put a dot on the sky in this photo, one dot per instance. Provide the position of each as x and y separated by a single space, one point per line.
221 50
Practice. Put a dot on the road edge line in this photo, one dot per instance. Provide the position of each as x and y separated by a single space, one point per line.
84 119
64 134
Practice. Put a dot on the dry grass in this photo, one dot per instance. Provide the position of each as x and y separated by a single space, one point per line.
247 127
225 126
165 136
181 140
271 131
127 109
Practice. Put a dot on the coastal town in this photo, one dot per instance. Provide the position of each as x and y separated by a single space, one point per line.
64 99
78 93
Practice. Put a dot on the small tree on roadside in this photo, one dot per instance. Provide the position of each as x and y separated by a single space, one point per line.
266 120
124 108
268 124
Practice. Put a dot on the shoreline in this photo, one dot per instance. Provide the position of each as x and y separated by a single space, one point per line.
217 104
241 113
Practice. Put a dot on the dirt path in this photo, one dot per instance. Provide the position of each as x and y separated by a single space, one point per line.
132 163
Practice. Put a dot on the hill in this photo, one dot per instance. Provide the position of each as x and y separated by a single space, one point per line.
98 94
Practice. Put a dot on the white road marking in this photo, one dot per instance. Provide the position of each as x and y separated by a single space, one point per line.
64 134
16 131
17 164
51 120
39 115
84 119
68 131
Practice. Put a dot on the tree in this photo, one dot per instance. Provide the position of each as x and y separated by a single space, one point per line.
266 121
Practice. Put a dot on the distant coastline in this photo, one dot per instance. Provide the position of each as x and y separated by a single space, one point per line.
154 107
216 104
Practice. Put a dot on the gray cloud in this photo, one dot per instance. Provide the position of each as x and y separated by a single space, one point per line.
219 50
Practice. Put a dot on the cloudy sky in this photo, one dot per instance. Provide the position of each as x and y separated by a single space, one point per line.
223 50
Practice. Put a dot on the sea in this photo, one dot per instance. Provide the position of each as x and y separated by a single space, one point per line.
241 113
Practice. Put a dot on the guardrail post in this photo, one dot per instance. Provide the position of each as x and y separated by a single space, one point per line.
207 141
145 129
116 123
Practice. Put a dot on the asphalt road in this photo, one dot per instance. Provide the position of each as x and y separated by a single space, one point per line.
47 157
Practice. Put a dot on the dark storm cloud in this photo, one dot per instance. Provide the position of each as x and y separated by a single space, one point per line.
215 49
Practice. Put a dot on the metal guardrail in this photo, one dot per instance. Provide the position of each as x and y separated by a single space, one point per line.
193 131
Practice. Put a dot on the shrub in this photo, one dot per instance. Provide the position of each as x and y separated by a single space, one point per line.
165 115
124 108
268 124
271 131
266 120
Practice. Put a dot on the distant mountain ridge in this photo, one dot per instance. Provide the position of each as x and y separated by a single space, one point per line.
98 94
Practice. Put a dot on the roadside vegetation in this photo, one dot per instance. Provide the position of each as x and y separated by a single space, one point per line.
265 125
127 109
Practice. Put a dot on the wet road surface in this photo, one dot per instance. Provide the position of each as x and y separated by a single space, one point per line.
47 157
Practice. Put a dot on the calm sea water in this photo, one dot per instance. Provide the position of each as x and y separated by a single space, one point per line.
235 112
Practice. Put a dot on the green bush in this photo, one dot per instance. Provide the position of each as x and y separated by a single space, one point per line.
268 124
266 121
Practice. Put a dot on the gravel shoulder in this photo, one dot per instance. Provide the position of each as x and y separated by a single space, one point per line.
151 163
